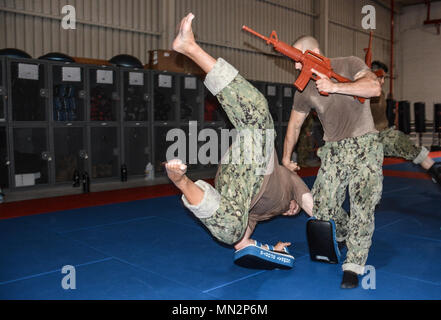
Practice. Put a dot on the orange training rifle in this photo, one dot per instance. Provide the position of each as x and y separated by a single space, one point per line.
368 50
368 58
310 60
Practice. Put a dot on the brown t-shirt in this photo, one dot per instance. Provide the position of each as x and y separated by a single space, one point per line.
342 116
274 198
378 109
275 195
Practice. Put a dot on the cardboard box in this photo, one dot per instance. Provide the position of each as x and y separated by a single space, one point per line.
191 67
166 60
98 62
172 61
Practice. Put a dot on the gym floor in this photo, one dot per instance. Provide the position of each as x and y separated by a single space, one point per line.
154 249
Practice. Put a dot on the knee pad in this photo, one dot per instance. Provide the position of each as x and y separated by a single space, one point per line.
322 243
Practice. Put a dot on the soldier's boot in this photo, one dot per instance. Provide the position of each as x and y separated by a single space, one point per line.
350 280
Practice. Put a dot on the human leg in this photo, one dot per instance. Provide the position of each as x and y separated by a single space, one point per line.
329 190
365 189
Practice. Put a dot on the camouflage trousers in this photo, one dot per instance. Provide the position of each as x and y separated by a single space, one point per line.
397 144
238 183
354 163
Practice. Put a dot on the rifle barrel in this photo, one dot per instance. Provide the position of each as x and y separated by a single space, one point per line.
255 33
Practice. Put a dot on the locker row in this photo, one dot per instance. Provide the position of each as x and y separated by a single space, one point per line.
38 155
37 90
58 118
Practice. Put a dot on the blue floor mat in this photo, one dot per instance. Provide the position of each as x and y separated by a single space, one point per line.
155 249
319 281
92 282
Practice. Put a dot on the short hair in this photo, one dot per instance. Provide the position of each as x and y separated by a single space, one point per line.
307 42
377 65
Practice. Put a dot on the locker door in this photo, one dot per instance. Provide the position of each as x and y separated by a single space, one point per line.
31 156
28 92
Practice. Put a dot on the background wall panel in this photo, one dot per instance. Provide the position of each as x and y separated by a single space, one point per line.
109 27
104 27
223 30
419 51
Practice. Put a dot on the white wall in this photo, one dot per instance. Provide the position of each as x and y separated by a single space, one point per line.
419 52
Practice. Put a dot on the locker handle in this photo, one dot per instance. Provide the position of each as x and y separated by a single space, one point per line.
44 93
46 156
115 96
83 155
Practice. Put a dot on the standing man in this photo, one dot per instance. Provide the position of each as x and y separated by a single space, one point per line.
396 143
351 158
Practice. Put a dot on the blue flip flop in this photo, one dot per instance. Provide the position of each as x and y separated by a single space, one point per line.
255 256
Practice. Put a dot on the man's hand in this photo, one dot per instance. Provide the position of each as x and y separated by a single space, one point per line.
176 170
294 208
280 245
365 85
324 84
291 165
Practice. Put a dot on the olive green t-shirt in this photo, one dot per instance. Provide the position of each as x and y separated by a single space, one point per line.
342 116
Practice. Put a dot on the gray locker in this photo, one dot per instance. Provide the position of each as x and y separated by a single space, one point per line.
28 89
70 152
68 92
104 156
30 156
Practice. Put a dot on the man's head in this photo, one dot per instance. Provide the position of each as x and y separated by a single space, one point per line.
306 43
380 69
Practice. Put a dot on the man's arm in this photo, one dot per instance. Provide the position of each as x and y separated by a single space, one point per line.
365 85
292 135
176 172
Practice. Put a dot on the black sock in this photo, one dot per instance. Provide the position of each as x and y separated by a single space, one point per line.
435 172
350 280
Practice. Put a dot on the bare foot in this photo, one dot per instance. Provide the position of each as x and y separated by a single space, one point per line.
243 243
176 170
184 40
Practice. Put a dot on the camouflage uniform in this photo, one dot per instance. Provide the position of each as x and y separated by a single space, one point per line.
236 184
355 163
395 143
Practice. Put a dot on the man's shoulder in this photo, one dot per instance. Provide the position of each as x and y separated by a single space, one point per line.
348 66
